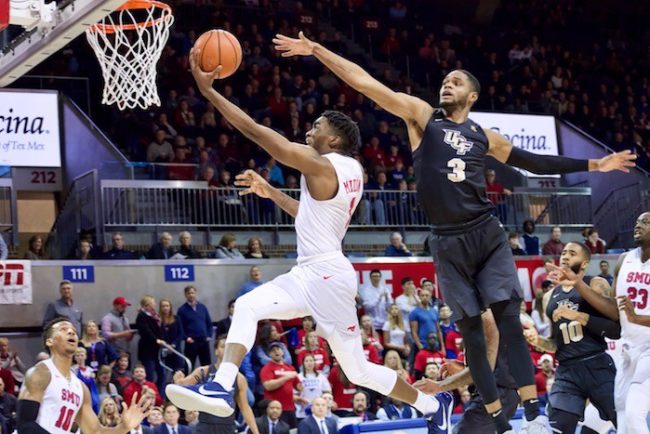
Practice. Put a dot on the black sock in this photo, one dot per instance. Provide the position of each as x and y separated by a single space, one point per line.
531 409
500 421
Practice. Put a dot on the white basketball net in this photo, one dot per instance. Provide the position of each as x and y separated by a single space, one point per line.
128 44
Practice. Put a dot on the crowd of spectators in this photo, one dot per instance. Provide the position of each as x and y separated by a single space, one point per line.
407 329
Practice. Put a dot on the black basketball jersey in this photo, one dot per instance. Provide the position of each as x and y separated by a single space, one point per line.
573 340
449 169
211 419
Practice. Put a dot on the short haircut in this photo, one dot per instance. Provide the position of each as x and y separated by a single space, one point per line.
64 282
585 250
346 129
555 227
375 271
603 262
513 235
48 330
406 280
188 287
473 81
138 366
427 281
167 405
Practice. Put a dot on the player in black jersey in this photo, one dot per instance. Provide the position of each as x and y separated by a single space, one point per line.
578 332
473 261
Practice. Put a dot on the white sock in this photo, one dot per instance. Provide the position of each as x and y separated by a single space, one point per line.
426 404
226 375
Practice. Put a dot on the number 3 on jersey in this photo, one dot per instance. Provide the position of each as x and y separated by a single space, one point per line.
457 170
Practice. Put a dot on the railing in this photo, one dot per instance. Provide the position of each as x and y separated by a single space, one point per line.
153 171
616 217
192 203
8 221
80 212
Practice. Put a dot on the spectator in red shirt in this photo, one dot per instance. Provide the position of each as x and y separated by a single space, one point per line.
139 384
279 380
430 354
546 364
595 244
497 195
373 154
554 245
372 335
321 359
372 355
307 327
450 343
342 389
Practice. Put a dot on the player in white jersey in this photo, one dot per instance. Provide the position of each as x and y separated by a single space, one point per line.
632 288
323 284
53 400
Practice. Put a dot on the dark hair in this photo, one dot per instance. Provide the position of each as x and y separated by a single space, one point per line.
584 248
231 302
592 231
188 287
48 330
346 128
406 280
375 271
425 281
526 222
603 261
473 81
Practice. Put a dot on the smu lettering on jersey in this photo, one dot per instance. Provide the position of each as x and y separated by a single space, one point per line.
450 171
62 401
633 280
321 224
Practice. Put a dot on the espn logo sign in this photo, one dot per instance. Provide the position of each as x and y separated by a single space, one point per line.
12 274
15 282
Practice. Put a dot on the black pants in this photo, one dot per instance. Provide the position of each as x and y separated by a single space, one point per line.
290 418
201 348
476 420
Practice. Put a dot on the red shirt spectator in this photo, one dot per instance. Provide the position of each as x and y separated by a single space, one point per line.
546 372
342 390
450 344
554 245
595 244
279 379
321 359
308 327
8 378
373 154
372 355
139 383
425 356
494 190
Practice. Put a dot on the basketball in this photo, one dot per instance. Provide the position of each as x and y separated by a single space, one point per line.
219 47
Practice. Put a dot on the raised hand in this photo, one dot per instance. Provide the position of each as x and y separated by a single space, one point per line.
451 367
254 183
564 312
625 305
294 47
622 161
562 276
203 79
133 414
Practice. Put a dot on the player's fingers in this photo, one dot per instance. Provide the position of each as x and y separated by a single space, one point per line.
217 72
245 192
193 54
134 399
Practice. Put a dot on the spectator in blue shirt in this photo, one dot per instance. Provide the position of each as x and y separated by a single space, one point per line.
117 250
197 326
424 320
397 246
531 242
275 172
256 280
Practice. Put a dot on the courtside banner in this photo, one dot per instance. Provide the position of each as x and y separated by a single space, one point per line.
29 129
15 282
532 133
530 271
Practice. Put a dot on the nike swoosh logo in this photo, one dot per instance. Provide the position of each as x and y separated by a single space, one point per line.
556 295
204 391
327 277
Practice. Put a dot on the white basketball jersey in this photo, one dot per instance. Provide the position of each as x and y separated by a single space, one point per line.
633 280
62 401
321 224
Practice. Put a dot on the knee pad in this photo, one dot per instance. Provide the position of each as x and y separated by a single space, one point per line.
563 421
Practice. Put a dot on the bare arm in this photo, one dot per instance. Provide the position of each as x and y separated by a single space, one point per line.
254 183
414 334
132 415
272 385
242 402
304 158
601 302
36 381
464 377
501 149
412 110
194 378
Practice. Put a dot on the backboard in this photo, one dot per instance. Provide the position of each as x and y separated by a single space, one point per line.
39 29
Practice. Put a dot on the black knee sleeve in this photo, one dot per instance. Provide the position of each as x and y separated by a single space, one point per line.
476 355
563 421
506 315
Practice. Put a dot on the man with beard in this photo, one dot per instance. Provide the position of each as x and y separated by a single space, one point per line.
632 289
473 260
578 334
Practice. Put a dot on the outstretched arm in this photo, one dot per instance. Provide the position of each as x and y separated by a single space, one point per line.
411 109
504 151
254 183
132 415
304 158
